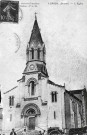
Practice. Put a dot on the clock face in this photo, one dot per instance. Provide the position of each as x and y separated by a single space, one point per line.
31 66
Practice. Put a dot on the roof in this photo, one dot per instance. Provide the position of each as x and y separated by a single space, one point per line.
52 83
35 35
40 68
10 89
77 91
69 92
22 79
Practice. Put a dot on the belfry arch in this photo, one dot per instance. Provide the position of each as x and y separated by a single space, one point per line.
31 79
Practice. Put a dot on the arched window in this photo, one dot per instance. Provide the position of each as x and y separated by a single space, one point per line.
32 53
30 112
38 53
32 88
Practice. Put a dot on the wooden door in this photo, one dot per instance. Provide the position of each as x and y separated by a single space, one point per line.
31 123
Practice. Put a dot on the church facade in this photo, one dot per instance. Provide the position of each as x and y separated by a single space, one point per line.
37 103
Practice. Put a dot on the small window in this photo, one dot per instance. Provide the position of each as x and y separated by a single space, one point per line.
0 96
31 88
38 53
54 96
10 117
54 115
32 53
11 101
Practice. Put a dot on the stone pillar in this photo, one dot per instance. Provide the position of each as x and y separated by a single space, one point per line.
30 55
41 55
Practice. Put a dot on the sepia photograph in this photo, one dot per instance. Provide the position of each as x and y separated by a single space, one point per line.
43 67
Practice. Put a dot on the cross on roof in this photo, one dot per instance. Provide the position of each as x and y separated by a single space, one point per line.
35 16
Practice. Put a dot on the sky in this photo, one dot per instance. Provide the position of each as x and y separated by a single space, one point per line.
63 26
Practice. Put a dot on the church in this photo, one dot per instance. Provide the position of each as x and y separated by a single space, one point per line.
37 103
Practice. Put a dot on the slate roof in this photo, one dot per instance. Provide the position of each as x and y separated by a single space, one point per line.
10 89
69 92
52 83
36 35
77 91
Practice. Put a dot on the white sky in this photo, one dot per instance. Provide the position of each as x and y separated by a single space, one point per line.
64 32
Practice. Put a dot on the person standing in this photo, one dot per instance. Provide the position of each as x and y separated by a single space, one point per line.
13 132
24 132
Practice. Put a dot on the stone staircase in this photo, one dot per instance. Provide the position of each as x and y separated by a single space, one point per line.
28 132
20 131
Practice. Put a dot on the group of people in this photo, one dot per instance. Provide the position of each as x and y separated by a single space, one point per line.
14 133
24 132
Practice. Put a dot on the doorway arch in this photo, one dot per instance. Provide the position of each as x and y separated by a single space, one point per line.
30 113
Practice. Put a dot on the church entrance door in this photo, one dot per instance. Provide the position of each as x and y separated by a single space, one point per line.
30 113
31 123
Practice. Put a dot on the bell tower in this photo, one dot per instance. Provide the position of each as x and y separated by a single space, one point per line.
36 52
